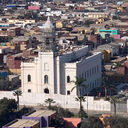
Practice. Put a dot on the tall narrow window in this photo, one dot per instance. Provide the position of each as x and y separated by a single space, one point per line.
68 92
97 68
68 79
46 68
47 41
29 78
46 79
85 75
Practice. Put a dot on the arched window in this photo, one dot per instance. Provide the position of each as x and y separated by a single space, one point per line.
46 90
46 79
29 78
68 79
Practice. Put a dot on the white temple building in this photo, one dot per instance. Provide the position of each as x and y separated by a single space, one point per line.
52 71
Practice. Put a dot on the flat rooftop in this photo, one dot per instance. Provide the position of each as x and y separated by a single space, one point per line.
41 113
21 123
4 47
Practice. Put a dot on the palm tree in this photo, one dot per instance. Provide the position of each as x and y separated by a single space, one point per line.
49 101
105 84
79 83
17 93
114 101
80 99
112 87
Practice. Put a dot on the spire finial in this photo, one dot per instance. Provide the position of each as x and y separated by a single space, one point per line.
48 23
48 19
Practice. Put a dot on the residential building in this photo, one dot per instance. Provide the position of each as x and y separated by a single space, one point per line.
43 116
96 15
13 63
23 123
109 31
72 122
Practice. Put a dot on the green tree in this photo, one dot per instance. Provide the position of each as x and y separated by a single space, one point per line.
116 122
7 108
58 122
24 111
4 84
114 101
92 122
17 93
112 88
106 85
79 83
61 112
49 101
8 104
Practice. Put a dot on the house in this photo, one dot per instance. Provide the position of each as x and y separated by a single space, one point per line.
13 62
20 22
43 116
23 123
96 15
4 50
10 31
112 47
71 122
110 32
34 119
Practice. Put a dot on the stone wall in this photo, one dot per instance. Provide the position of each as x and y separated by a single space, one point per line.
62 100
120 107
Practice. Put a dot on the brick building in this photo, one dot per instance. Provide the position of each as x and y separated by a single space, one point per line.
13 63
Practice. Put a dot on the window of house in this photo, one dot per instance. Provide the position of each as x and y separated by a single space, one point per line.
54 40
68 79
82 75
46 79
47 41
97 68
90 72
91 85
93 70
68 92
85 75
95 83
29 90
29 78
